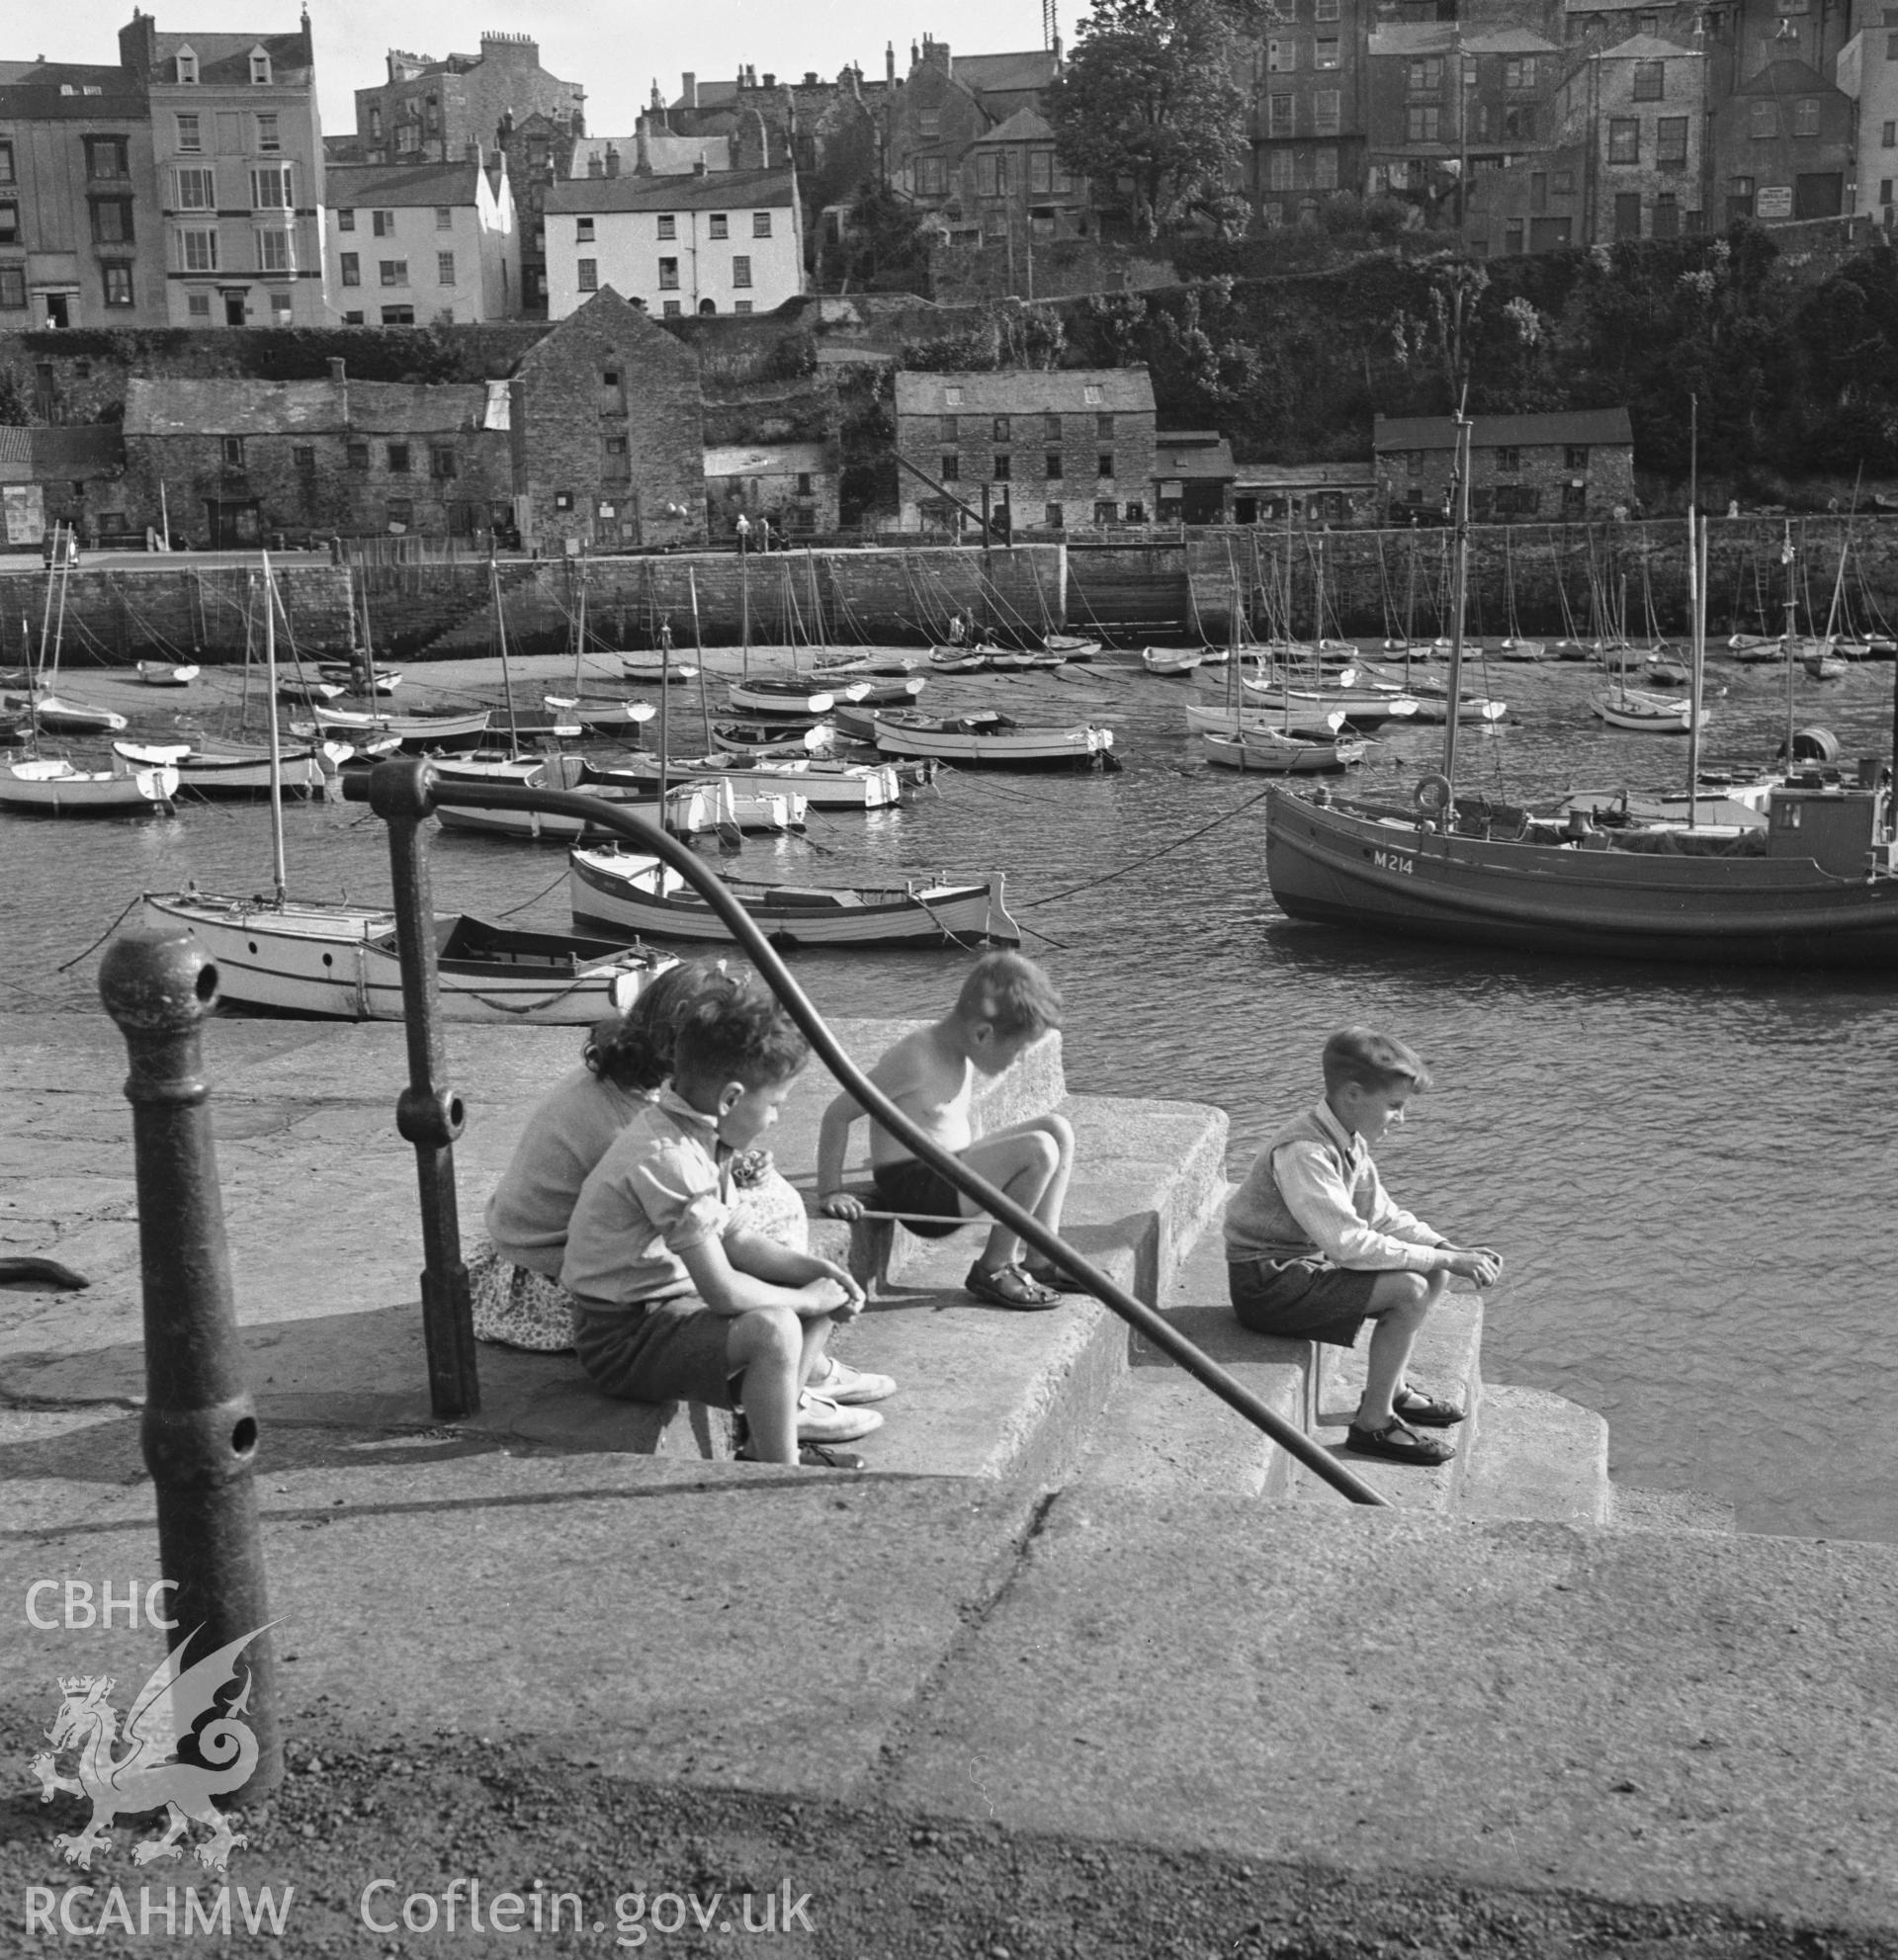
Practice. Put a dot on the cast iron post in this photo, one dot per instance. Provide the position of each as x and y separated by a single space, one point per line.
427 1114
200 1425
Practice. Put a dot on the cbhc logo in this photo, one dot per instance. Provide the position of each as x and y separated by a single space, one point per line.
79 1609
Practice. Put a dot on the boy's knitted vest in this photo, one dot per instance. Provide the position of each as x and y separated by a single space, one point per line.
1259 1223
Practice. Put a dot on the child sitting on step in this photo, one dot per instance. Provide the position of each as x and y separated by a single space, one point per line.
1006 1003
673 1300
1314 1247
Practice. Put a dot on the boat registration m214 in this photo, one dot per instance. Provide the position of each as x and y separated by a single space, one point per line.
1391 861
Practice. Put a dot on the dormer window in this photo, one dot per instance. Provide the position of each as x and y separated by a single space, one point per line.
259 68
186 63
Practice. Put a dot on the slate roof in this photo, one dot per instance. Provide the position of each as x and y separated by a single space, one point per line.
715 189
1296 475
1598 427
226 57
1648 47
392 186
32 91
1193 455
1413 38
1028 69
1027 391
302 409
1023 127
1508 41
1785 78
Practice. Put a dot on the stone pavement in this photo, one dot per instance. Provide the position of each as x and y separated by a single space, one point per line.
1690 1720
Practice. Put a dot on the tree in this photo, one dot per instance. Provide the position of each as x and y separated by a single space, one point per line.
1149 98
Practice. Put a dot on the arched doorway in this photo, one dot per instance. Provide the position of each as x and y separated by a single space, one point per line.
708 306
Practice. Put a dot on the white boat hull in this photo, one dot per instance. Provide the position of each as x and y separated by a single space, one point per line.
691 810
1644 714
608 890
339 962
54 788
1075 748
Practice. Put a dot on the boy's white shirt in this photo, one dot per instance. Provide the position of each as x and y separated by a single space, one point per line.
914 1076
1386 1239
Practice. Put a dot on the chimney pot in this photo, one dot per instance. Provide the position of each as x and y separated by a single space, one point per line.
810 78
770 81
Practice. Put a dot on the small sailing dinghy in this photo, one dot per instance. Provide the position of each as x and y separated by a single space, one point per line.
1278 753
161 673
1171 659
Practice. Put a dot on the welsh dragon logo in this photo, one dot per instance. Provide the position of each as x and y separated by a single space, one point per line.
149 1775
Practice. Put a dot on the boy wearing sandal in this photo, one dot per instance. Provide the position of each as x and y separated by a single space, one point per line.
1314 1247
1006 1003
672 1300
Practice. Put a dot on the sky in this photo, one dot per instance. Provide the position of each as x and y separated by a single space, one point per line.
613 51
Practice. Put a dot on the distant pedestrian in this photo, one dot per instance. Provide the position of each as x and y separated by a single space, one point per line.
1314 1247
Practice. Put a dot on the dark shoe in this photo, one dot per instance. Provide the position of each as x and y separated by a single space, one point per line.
1400 1444
818 1456
1054 1277
1423 1411
1010 1286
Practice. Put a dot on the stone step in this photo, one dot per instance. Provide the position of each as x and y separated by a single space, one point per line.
1446 1361
1162 1431
1537 1455
1634 1509
990 1393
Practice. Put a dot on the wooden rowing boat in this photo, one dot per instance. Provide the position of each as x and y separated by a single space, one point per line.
616 891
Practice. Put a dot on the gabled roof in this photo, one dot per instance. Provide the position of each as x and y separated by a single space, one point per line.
402 184
1787 77
71 449
606 315
1032 68
715 190
1603 426
1023 127
44 91
1646 48
1026 391
1193 455
289 408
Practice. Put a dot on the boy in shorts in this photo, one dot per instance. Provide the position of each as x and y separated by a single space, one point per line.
1314 1247
674 1302
1006 1003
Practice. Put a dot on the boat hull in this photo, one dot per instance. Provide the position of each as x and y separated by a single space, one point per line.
608 891
36 789
340 963
1018 748
1377 872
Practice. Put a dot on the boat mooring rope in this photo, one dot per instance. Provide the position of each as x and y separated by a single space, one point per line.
1134 864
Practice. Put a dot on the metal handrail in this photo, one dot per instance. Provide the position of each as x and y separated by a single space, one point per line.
402 792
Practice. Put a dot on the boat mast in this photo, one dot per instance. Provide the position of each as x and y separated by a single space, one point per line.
1460 575
508 676
1696 608
698 643
278 873
579 635
1786 555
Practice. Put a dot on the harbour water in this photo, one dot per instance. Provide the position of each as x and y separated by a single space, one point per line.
1685 1169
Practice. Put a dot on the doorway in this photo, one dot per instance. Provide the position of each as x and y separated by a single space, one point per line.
59 309
232 523
233 309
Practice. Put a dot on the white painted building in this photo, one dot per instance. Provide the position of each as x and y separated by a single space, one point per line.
711 242
1867 71
416 245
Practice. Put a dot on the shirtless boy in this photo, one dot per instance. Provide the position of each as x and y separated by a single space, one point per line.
1006 1003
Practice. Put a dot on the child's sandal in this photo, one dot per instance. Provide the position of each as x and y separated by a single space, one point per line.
1398 1443
1010 1286
1414 1407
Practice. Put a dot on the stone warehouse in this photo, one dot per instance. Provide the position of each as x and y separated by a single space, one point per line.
1058 450
1572 465
594 439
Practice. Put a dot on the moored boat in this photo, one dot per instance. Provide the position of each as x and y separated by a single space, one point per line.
994 740
1644 714
238 769
1277 753
691 808
445 725
60 715
623 890
779 696
162 673
340 962
1170 659
50 785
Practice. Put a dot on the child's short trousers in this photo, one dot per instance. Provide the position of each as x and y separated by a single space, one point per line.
1301 1299
658 1350
913 1186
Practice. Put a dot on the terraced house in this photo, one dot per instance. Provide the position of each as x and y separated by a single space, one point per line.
421 244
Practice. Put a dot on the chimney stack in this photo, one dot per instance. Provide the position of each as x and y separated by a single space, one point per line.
698 166
612 160
690 90
889 64
770 81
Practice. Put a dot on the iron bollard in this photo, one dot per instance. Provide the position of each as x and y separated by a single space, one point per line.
426 1112
200 1425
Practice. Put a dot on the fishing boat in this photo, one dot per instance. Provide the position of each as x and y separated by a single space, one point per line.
780 696
631 891
1171 659
657 670
52 786
314 957
162 673
989 740
1817 886
774 738
341 962
207 767
420 728
1277 753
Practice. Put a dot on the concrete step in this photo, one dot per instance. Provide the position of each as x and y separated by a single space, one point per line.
1447 1361
1633 1510
1162 1431
1537 1455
